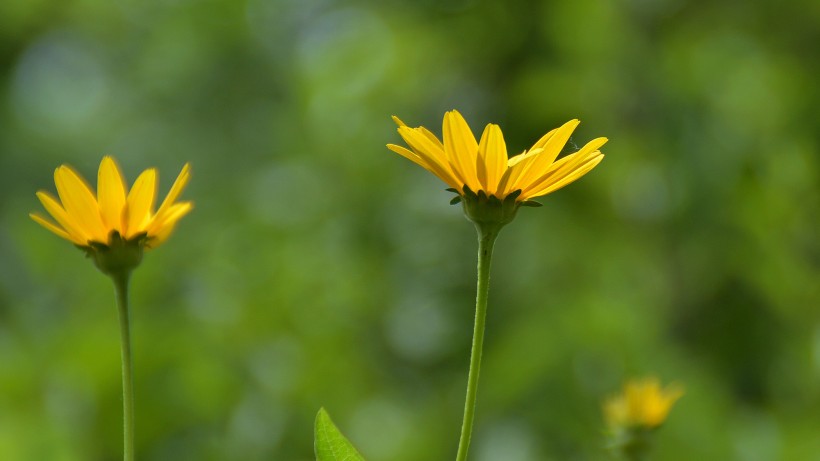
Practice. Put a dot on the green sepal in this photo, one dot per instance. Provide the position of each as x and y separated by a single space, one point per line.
455 200
532 203
632 444
329 443
514 194
119 256
488 212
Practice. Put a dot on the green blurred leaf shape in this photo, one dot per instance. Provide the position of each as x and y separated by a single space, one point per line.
330 444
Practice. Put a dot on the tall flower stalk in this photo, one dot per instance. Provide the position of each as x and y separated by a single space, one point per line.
491 186
486 241
121 289
114 229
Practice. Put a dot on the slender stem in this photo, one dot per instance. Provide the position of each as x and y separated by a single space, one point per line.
121 287
486 240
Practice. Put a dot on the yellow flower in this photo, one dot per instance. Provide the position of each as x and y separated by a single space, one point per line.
643 404
89 221
484 166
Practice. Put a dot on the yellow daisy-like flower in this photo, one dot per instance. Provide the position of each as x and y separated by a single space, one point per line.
484 166
643 404
114 214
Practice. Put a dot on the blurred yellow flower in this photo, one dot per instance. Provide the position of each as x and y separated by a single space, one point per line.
643 404
84 219
484 166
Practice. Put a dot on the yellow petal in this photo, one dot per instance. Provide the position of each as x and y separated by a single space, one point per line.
435 146
552 145
515 167
520 163
561 168
412 156
159 238
177 188
423 130
570 177
110 194
431 154
550 150
54 228
80 203
398 121
461 148
492 158
160 229
170 216
543 140
140 202
59 214
440 152
433 139
590 149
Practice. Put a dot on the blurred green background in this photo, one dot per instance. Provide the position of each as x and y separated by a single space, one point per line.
319 268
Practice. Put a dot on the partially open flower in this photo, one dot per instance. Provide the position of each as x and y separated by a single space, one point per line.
634 415
491 185
116 224
484 166
643 404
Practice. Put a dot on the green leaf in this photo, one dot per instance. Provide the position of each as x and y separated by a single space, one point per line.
532 203
330 444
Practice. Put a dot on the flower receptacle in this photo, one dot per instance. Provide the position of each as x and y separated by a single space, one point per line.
633 443
488 212
119 256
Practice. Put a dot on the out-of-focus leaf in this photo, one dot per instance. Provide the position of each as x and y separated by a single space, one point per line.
330 444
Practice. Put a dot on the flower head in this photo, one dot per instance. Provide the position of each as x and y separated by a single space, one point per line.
642 405
484 166
116 219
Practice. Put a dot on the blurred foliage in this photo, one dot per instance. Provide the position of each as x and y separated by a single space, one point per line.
330 444
320 269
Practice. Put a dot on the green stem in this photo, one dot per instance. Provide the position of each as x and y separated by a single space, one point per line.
121 287
486 240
